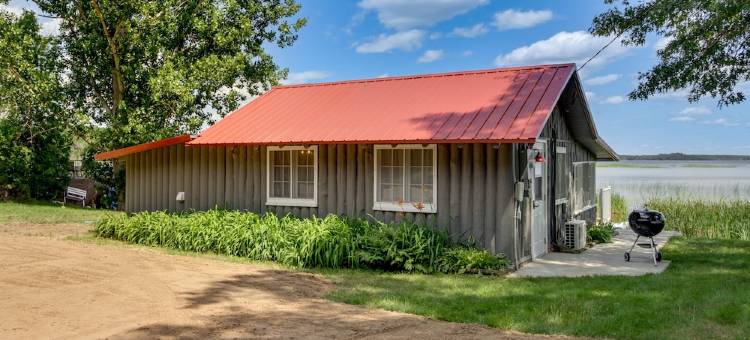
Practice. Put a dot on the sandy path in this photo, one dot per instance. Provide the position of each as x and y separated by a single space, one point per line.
55 288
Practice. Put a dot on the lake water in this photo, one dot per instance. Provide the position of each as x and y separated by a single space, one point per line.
705 180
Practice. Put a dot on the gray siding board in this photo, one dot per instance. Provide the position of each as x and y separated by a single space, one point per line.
172 178
340 173
443 181
478 202
351 180
322 179
490 198
331 170
465 211
360 180
474 186
454 178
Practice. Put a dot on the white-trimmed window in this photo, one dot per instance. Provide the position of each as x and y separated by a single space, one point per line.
584 194
292 176
406 178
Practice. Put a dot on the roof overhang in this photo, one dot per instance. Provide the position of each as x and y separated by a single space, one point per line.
118 153
578 117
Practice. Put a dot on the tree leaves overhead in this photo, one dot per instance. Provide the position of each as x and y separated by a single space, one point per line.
143 70
706 45
34 120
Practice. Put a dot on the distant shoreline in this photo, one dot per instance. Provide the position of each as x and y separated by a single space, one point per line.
685 157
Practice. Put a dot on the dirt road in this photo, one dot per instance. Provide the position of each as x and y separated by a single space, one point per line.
56 288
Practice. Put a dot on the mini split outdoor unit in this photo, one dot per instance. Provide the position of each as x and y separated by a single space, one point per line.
575 234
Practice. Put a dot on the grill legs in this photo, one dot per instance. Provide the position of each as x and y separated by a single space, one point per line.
656 254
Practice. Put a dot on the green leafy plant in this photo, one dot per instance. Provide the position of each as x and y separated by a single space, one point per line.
330 242
35 125
600 233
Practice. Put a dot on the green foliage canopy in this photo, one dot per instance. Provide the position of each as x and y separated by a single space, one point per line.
143 70
34 122
706 50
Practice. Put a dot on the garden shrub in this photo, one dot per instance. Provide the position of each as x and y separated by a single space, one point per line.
600 233
330 242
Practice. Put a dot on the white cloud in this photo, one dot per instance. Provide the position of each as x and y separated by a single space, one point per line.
435 35
430 56
591 96
696 111
406 14
513 19
470 32
467 53
601 80
406 40
48 27
662 43
682 119
678 94
688 114
305 77
614 100
51 27
384 75
17 11
720 121
564 47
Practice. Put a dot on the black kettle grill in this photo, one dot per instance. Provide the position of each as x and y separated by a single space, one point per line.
646 223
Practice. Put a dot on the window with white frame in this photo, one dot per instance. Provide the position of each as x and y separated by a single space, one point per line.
292 176
584 186
405 178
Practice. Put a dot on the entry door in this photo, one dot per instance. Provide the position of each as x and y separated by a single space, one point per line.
540 210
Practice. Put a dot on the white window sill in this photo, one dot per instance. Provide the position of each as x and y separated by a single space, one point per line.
292 202
404 207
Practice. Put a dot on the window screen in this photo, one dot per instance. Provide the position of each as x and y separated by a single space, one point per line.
405 175
292 174
585 185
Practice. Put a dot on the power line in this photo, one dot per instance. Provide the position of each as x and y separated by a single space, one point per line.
600 51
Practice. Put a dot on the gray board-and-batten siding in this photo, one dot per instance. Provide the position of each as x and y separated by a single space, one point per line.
474 186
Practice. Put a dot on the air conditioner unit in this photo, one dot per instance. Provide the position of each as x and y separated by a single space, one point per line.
575 234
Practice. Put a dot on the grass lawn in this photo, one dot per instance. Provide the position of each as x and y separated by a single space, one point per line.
48 213
705 293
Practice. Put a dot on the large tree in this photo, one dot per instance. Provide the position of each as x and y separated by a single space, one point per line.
707 44
34 121
143 70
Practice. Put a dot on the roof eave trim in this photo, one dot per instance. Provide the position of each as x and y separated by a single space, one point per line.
118 153
573 68
590 121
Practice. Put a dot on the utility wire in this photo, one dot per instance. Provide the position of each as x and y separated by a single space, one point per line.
600 51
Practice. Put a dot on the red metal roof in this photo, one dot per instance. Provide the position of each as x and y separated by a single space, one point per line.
143 147
498 105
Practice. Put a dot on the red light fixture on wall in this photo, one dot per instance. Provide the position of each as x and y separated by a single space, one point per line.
539 157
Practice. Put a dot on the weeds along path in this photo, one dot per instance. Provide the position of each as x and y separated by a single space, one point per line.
56 288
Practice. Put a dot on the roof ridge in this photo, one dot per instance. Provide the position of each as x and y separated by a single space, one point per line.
425 75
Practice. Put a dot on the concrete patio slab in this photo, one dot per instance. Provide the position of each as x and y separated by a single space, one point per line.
602 259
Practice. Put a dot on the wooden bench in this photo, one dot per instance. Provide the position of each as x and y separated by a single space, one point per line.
76 195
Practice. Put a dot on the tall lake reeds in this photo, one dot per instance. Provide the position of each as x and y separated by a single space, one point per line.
705 219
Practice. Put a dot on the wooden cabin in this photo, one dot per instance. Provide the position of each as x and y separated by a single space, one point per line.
503 156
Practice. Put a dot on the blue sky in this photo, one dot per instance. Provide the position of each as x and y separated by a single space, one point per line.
372 38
